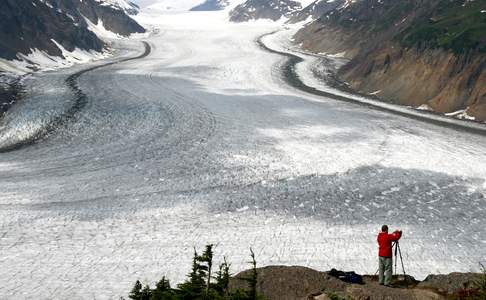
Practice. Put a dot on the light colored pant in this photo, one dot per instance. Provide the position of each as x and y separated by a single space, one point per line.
386 266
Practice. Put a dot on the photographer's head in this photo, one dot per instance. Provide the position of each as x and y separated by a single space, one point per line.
384 228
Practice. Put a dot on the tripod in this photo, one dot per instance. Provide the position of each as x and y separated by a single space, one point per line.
399 252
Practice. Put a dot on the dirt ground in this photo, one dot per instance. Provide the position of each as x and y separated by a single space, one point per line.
299 283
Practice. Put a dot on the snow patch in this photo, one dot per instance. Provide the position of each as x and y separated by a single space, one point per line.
124 5
424 107
461 114
100 30
39 60
174 5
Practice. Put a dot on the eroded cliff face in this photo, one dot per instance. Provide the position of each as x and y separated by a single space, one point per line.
439 79
409 61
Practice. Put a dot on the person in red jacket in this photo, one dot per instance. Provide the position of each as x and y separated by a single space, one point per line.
385 253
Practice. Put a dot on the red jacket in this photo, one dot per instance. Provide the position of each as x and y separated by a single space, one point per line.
385 242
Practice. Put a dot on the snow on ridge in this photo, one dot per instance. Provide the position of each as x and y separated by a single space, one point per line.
118 4
100 30
348 3
40 60
174 5
306 3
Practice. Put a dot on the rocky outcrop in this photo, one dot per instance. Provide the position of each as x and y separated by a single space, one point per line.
452 283
264 9
288 283
422 53
114 19
211 5
300 283
127 6
315 10
10 90
33 24
36 24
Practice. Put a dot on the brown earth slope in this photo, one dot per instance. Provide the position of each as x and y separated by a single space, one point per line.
413 51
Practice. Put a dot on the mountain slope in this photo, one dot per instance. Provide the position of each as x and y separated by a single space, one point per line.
112 13
315 10
173 5
210 5
51 26
128 7
27 25
263 9
428 53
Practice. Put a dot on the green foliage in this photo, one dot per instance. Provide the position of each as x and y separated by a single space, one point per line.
136 292
198 285
253 278
455 25
206 259
239 295
194 287
163 285
481 284
163 291
146 293
458 26
222 277
333 296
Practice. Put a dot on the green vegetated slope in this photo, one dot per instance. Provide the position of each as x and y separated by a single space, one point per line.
455 25
414 52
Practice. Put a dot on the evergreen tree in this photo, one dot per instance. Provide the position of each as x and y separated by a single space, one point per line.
194 286
239 294
481 284
136 292
163 285
253 278
207 259
198 285
163 291
146 293
222 278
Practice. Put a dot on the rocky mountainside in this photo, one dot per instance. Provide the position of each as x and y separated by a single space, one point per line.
428 53
128 7
40 24
264 9
10 91
316 9
113 14
210 5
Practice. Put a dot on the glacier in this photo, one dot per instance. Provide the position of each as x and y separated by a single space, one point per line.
202 141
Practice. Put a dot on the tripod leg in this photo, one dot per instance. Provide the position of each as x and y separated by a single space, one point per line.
401 259
396 270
